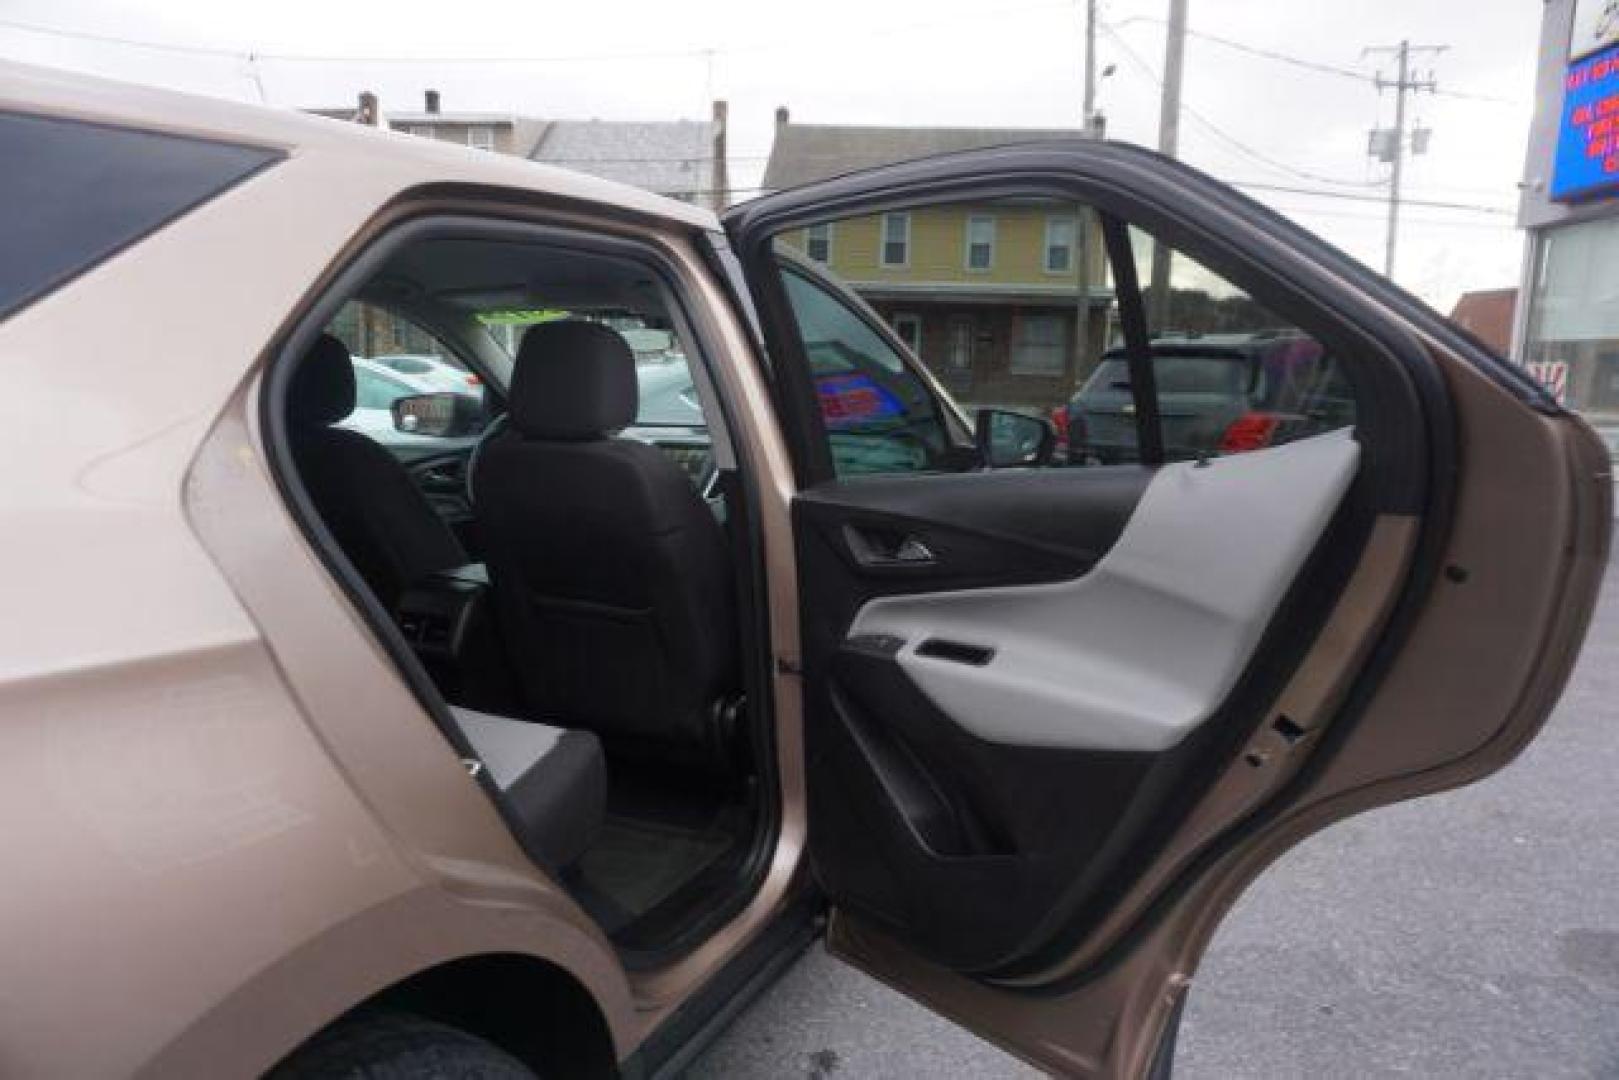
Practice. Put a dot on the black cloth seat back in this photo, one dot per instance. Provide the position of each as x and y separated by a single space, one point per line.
611 575
377 514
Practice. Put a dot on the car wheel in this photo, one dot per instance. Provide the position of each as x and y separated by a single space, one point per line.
394 1046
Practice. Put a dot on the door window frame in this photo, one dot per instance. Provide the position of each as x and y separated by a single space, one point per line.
498 220
1226 233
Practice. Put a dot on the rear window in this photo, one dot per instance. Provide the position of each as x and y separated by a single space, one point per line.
74 193
1183 375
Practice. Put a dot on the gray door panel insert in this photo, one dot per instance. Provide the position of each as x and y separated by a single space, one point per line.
1144 648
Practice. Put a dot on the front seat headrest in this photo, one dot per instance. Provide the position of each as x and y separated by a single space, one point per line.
322 387
573 380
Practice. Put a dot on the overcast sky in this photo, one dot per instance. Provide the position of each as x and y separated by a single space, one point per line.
925 62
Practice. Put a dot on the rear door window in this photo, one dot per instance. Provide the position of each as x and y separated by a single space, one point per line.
73 193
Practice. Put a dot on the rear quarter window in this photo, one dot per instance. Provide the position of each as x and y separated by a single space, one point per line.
74 193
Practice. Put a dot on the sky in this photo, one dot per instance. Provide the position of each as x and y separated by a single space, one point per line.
1249 118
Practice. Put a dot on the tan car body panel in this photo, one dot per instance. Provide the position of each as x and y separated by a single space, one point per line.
203 732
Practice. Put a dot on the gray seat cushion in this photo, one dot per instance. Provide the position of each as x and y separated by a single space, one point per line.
554 781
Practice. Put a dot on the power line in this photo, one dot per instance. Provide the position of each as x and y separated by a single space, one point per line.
693 52
1214 129
1436 204
1351 215
1305 63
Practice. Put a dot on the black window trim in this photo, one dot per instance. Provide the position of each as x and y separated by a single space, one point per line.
1137 340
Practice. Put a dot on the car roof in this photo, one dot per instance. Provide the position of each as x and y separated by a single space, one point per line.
46 91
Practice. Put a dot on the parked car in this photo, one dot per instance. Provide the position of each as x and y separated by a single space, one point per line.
378 385
431 373
1217 393
300 780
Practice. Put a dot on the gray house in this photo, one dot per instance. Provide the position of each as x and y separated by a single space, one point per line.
683 159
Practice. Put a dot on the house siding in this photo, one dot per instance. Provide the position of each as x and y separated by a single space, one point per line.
938 288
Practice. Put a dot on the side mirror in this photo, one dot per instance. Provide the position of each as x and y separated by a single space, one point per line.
444 415
1010 439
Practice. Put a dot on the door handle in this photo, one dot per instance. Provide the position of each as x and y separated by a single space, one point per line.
884 548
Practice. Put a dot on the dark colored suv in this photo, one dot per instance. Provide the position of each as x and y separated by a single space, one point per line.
1216 393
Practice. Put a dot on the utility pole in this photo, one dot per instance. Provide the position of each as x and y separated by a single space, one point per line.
1089 114
1169 108
1169 131
1082 230
1389 145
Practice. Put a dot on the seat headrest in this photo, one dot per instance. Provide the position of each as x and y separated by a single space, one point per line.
322 387
573 380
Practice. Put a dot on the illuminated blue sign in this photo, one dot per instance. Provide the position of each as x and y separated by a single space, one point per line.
1588 138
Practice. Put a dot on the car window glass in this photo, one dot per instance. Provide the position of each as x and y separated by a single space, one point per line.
394 357
879 416
1032 324
73 193
372 391
1230 375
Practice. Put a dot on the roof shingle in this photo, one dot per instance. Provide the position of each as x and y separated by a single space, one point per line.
805 153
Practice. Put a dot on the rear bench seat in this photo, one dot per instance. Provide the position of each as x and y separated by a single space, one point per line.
554 780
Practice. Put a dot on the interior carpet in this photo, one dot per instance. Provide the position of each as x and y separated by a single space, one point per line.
638 864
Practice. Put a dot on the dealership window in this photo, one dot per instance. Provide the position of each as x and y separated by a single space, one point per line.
818 242
1572 339
1060 233
909 329
896 239
481 137
980 242
1039 345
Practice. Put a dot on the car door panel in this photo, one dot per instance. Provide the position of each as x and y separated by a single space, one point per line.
1467 676
1081 665
997 740
1032 794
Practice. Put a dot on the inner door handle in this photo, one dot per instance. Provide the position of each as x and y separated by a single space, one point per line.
886 548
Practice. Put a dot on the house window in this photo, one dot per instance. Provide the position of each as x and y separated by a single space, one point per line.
818 242
481 137
980 242
419 130
909 329
1039 345
1060 234
960 354
896 239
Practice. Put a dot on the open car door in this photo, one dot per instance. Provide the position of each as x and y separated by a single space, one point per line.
1058 716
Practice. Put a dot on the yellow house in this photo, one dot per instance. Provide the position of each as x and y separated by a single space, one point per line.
987 294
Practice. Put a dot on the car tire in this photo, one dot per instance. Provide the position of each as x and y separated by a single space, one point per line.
395 1046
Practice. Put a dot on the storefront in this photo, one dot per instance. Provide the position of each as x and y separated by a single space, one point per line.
1567 330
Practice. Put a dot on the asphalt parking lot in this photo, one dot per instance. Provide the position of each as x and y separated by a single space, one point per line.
1474 933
